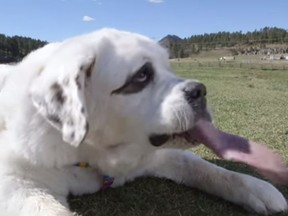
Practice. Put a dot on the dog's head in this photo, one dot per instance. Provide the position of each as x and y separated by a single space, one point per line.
116 87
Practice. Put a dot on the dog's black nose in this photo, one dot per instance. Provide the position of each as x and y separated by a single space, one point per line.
194 91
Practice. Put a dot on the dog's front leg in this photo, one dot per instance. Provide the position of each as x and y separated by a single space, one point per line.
191 170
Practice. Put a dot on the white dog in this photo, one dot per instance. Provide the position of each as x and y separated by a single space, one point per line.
108 99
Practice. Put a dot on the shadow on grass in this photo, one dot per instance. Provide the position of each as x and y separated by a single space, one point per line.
154 196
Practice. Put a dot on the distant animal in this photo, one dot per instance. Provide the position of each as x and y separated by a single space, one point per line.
227 58
282 57
106 100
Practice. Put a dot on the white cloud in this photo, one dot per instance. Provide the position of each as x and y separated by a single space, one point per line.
98 2
156 1
87 19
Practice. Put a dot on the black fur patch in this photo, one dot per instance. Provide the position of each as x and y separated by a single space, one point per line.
59 94
54 118
89 70
82 110
77 80
72 135
87 127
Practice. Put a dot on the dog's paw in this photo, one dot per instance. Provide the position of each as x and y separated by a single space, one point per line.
261 197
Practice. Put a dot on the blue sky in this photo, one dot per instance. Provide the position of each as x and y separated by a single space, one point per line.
55 20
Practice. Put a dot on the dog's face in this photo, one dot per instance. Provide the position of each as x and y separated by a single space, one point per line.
120 85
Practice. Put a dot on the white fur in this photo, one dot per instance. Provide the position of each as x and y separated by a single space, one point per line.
42 138
4 71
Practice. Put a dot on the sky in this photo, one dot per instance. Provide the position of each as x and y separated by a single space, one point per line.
55 20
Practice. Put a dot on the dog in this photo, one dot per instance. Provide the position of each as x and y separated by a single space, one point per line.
110 102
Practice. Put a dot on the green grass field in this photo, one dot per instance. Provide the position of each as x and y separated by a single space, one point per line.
246 101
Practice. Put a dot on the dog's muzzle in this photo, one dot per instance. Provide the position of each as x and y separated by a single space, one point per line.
195 94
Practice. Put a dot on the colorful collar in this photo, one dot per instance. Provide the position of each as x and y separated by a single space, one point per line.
107 181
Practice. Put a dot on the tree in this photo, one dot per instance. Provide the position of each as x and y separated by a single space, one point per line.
16 47
257 38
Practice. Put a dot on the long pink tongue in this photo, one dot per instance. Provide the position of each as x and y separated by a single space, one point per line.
236 148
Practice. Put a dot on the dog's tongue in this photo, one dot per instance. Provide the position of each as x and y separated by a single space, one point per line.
236 148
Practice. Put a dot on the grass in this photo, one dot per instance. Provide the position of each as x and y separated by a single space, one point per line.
249 102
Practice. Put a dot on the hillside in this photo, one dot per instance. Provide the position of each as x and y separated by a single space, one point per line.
265 41
170 39
13 49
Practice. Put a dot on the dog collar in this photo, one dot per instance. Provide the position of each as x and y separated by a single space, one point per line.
82 165
107 181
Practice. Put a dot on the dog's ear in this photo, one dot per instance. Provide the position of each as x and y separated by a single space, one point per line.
58 93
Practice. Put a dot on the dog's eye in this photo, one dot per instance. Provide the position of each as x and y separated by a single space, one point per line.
141 77
144 74
138 81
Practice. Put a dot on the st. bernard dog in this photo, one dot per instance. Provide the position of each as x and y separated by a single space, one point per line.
109 99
